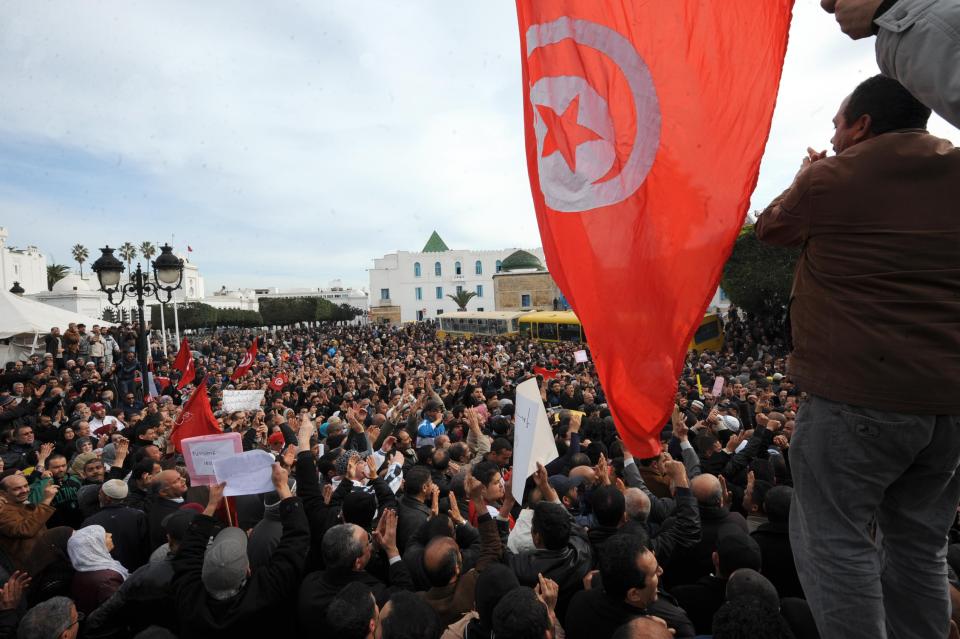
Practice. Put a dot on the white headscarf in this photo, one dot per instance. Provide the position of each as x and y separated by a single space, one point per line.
87 548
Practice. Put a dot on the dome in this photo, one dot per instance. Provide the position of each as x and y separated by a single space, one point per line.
70 283
521 261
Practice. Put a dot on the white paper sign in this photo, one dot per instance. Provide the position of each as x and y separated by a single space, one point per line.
580 357
200 453
234 400
246 474
718 386
532 438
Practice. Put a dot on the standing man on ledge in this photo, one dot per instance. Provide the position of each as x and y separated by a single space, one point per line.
875 313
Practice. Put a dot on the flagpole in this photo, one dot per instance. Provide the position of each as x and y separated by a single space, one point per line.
176 321
163 327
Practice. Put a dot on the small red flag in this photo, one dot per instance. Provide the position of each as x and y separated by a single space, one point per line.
545 373
184 364
189 249
196 418
645 125
278 381
246 362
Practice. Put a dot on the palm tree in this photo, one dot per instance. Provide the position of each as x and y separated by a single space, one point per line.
55 273
148 250
128 252
80 255
461 298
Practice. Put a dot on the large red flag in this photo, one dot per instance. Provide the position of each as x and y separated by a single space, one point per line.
645 124
196 418
184 364
248 358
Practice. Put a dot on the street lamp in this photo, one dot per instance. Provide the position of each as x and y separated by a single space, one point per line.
16 289
167 277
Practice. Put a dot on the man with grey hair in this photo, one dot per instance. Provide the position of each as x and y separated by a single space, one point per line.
55 618
346 550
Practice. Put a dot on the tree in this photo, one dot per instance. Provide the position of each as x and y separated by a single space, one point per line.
80 255
55 273
462 297
758 277
148 250
129 253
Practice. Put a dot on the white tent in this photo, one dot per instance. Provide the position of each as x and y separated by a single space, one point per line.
24 322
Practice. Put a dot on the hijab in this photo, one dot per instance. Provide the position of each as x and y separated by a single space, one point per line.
87 549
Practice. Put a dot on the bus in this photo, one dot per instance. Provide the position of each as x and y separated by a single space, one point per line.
552 326
469 323
563 326
709 336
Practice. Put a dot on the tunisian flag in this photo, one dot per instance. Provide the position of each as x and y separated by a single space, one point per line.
645 124
278 381
196 418
184 364
248 358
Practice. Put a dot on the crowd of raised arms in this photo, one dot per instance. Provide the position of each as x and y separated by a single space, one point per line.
393 514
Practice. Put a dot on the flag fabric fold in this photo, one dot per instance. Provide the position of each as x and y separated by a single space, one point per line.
645 124
196 418
184 364
248 359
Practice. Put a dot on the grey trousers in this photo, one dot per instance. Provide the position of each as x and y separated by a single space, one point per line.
874 496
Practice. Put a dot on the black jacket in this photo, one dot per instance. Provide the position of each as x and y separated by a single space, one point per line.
701 600
411 515
157 509
130 534
697 561
253 612
319 588
144 599
777 563
567 567
593 614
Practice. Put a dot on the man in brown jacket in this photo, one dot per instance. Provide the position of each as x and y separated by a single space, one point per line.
24 536
875 314
452 594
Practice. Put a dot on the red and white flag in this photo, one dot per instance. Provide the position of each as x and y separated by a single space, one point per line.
645 124
248 359
278 381
184 364
196 418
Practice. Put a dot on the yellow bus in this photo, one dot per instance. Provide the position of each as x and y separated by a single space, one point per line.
469 323
563 326
552 326
709 336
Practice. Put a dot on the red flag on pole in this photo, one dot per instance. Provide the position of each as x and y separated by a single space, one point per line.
184 364
278 381
645 124
249 357
196 418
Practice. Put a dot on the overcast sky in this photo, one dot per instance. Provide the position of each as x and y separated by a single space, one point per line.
291 143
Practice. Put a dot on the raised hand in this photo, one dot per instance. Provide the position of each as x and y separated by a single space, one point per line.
13 590
548 591
279 477
49 492
455 508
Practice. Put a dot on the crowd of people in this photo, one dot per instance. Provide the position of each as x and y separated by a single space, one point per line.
393 513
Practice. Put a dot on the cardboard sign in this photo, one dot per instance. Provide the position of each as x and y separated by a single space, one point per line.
248 473
200 454
580 357
236 400
532 439
718 386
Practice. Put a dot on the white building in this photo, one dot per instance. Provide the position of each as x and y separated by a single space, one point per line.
75 294
410 286
335 292
28 266
244 299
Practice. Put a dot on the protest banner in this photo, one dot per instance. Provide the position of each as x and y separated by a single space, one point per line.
533 438
235 400
246 474
200 453
580 357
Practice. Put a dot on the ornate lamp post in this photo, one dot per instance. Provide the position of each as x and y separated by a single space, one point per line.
167 277
16 289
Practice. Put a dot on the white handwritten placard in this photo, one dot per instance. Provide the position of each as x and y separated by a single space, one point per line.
234 400
200 453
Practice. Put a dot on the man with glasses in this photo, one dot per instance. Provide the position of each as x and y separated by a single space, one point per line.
55 618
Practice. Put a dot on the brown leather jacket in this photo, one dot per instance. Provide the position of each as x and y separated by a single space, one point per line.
875 308
25 539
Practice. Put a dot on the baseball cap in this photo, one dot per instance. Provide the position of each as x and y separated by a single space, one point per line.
225 563
563 484
115 489
96 406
